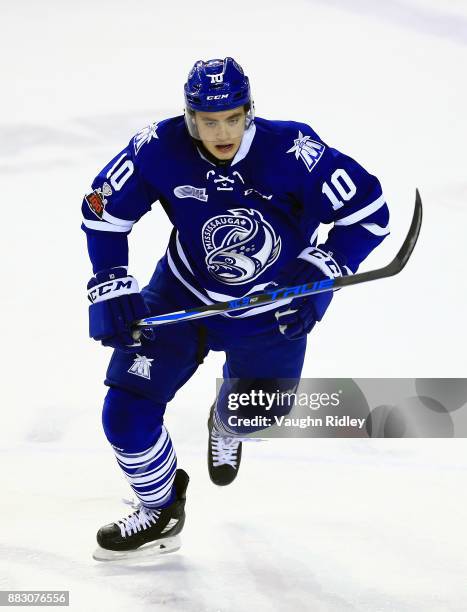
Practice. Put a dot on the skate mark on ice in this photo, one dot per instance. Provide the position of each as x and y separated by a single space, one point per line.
284 590
165 579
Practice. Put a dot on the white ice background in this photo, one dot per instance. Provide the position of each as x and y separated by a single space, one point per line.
320 525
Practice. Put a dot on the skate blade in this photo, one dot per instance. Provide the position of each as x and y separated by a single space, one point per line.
149 551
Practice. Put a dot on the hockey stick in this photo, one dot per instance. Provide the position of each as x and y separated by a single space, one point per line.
274 295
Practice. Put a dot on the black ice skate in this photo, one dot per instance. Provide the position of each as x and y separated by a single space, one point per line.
224 455
147 532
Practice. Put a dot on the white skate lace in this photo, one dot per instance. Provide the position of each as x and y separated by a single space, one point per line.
141 519
225 449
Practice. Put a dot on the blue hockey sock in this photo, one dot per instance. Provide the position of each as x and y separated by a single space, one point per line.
151 473
143 448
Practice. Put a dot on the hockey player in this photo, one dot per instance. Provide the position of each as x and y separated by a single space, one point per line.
246 197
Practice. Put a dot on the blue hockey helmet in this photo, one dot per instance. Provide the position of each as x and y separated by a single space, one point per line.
214 86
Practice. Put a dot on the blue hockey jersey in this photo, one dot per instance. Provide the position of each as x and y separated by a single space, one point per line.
235 225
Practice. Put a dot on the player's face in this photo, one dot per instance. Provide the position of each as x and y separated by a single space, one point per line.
221 133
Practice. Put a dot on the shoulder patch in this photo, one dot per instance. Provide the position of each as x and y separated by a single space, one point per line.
96 199
308 150
144 136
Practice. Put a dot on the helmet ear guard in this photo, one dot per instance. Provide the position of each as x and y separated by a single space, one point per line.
190 122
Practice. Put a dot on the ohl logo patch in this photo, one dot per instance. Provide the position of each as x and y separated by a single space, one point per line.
141 367
239 246
308 150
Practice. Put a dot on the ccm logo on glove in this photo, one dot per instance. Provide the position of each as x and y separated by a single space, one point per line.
322 260
112 289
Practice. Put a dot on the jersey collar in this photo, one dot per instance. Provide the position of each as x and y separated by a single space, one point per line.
245 145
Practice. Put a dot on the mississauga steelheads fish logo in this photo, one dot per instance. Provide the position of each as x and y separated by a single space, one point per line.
239 246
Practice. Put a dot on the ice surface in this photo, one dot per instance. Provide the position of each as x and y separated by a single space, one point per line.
321 525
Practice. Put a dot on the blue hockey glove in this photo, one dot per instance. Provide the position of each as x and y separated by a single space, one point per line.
116 304
298 318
